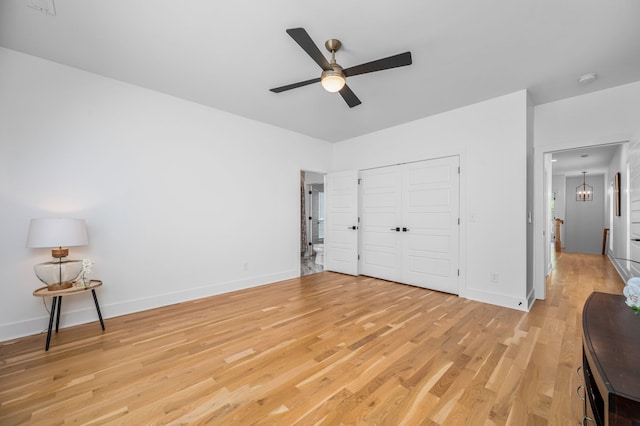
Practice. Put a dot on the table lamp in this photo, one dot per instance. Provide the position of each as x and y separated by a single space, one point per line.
57 233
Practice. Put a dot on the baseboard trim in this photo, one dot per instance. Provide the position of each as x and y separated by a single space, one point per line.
84 315
521 304
624 274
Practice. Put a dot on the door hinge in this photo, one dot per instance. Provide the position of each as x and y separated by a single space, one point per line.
359 180
358 257
458 272
358 219
458 221
458 169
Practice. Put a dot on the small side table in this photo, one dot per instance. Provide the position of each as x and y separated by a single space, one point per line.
57 300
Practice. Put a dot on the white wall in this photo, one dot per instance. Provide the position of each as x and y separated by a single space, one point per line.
530 290
585 220
168 187
177 196
493 191
606 116
618 246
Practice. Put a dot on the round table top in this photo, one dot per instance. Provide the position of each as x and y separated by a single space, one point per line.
76 288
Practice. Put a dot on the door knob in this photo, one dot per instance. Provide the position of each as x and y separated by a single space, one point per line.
352 227
405 229
395 229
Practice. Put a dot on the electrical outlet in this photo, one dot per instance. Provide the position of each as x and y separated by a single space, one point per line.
245 266
494 277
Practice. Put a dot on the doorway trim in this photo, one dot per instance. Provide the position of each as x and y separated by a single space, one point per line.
541 228
299 233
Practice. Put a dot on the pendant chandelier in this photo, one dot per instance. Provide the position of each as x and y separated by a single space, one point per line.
584 192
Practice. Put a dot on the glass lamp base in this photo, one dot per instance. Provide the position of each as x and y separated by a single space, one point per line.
58 274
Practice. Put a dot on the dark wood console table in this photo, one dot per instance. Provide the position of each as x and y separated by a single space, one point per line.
610 361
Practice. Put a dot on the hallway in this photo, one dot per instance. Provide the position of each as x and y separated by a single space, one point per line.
558 320
576 275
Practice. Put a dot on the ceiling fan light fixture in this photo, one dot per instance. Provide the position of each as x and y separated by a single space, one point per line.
333 80
333 77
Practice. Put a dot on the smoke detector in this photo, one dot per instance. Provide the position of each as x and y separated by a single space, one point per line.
44 6
587 78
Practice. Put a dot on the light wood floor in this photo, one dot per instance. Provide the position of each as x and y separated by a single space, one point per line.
324 349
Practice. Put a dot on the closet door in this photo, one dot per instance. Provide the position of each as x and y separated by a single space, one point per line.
381 222
430 215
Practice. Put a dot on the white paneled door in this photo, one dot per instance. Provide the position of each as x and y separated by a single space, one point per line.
341 206
410 223
381 223
430 201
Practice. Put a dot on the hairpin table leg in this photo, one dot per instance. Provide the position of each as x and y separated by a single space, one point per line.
56 304
58 314
53 314
95 299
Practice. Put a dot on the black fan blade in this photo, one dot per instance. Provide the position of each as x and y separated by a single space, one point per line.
295 85
304 40
400 60
349 97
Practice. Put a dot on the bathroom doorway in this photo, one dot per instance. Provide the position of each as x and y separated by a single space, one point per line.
312 219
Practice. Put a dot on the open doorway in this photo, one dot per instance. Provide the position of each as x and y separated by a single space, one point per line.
312 222
574 222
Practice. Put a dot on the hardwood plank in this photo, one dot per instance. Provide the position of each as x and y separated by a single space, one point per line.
321 349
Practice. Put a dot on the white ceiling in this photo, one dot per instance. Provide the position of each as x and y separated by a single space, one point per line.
594 160
228 54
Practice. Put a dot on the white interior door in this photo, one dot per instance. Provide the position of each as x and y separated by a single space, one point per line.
341 239
409 223
430 215
381 223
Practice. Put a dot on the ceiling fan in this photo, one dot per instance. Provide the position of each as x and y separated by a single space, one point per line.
333 77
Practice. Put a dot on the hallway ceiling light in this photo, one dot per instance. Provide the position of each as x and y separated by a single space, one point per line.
584 192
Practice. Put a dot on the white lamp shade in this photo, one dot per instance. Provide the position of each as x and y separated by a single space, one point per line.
57 232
